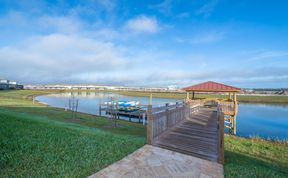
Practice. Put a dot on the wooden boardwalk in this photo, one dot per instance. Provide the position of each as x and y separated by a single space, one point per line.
197 135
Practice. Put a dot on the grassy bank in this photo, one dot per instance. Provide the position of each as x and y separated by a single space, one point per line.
255 158
42 141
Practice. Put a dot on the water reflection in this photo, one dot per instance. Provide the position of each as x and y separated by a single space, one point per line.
263 120
89 101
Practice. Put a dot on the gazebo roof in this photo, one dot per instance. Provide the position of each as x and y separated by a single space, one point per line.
212 87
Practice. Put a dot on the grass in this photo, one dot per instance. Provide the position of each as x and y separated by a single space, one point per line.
255 157
41 141
21 102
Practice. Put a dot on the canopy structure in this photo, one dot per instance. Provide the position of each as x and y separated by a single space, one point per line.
229 107
212 87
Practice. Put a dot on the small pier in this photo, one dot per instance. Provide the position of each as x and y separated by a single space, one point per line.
192 128
196 136
139 114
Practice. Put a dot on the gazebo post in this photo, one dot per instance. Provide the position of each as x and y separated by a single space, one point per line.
150 99
229 96
193 95
235 113
187 95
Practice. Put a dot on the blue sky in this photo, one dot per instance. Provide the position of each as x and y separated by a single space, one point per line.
145 43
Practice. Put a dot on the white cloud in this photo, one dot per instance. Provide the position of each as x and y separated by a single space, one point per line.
269 54
58 56
109 5
208 37
202 38
143 24
207 8
60 24
164 7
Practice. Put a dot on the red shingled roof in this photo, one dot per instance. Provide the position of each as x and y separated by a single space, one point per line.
212 87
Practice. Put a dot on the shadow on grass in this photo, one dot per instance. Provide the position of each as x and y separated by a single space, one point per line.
240 165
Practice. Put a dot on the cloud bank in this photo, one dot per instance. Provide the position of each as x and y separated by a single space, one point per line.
136 44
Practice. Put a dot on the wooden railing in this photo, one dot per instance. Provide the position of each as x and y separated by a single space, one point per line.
229 107
230 110
161 119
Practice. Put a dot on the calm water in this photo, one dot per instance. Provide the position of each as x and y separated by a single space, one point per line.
262 120
89 101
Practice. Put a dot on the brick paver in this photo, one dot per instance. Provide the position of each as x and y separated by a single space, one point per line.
150 161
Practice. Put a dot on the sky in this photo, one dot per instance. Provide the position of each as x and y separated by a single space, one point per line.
145 43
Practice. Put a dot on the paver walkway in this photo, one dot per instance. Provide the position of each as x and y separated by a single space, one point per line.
150 161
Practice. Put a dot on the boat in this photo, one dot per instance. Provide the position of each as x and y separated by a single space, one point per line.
126 106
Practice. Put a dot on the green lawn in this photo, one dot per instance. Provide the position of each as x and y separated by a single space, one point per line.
41 141
255 158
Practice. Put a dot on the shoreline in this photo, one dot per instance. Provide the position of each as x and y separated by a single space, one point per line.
262 99
276 140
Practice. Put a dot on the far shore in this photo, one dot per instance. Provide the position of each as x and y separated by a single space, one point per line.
247 98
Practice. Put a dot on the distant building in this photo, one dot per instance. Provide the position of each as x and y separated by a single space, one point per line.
173 87
9 84
12 84
4 86
4 81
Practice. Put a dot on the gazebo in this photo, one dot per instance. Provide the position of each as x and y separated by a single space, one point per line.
229 106
212 87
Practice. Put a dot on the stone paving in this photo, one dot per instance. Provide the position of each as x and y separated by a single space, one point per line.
150 161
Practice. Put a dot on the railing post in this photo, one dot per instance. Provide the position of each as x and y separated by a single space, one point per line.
149 125
221 138
167 114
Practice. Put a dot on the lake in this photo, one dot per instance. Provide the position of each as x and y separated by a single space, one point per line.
261 120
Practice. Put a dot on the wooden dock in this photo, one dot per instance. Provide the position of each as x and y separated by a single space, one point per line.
196 136
195 129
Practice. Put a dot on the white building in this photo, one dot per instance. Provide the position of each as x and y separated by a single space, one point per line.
173 87
4 81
